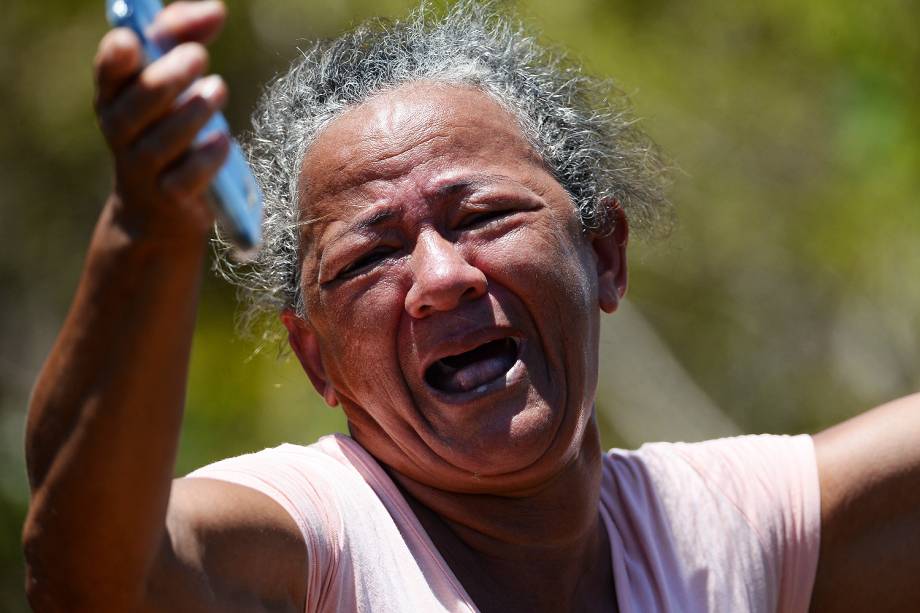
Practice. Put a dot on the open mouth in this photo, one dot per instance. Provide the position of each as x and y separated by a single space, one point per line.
472 369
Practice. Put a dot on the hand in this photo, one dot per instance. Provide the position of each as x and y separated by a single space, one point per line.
150 117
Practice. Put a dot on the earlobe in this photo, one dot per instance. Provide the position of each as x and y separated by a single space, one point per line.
610 252
329 395
305 345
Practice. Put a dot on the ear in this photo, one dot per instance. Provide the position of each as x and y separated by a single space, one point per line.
303 340
610 253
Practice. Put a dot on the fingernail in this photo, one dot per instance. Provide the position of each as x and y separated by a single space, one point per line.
215 143
211 89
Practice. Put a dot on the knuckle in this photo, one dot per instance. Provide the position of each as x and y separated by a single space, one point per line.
116 51
166 79
104 52
153 83
196 50
193 56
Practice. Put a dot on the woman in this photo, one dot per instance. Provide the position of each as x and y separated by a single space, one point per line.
447 217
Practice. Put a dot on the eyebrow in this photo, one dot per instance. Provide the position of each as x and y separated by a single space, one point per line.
451 188
361 225
457 186
378 218
471 183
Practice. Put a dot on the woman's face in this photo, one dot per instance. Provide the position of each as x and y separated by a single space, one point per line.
452 297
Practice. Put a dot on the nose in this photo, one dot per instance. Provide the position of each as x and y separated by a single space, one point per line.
442 278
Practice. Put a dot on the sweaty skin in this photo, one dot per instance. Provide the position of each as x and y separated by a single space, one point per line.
436 229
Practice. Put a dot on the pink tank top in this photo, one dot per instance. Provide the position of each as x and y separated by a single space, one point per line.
729 525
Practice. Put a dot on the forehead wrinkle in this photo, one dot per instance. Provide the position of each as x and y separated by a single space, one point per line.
382 130
352 174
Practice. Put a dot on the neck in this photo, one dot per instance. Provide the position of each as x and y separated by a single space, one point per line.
544 551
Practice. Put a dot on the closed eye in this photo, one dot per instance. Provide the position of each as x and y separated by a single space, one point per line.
479 219
366 262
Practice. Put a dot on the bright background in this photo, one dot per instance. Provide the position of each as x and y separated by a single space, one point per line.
785 300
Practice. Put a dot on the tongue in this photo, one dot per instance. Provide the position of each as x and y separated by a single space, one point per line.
453 375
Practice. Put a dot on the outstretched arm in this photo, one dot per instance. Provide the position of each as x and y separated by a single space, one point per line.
869 469
106 530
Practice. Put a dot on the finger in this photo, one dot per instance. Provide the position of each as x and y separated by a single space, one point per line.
189 21
191 175
118 60
152 94
167 140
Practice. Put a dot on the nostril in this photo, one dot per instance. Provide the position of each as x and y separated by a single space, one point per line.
442 278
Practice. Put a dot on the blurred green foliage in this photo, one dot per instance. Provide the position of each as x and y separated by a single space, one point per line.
785 293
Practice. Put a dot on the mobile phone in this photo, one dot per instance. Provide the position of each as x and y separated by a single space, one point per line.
234 192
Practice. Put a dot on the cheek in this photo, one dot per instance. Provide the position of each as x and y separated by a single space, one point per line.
553 276
544 265
359 327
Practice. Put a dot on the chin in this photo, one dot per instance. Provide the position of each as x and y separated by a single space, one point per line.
515 447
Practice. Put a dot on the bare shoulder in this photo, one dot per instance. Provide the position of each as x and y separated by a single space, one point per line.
869 470
228 548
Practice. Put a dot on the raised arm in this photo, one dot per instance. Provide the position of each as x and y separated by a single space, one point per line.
869 469
106 531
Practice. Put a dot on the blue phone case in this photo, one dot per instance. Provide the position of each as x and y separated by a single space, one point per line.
235 194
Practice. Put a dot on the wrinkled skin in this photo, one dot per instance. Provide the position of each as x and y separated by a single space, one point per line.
474 240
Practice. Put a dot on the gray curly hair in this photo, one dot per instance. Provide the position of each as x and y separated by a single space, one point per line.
580 126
